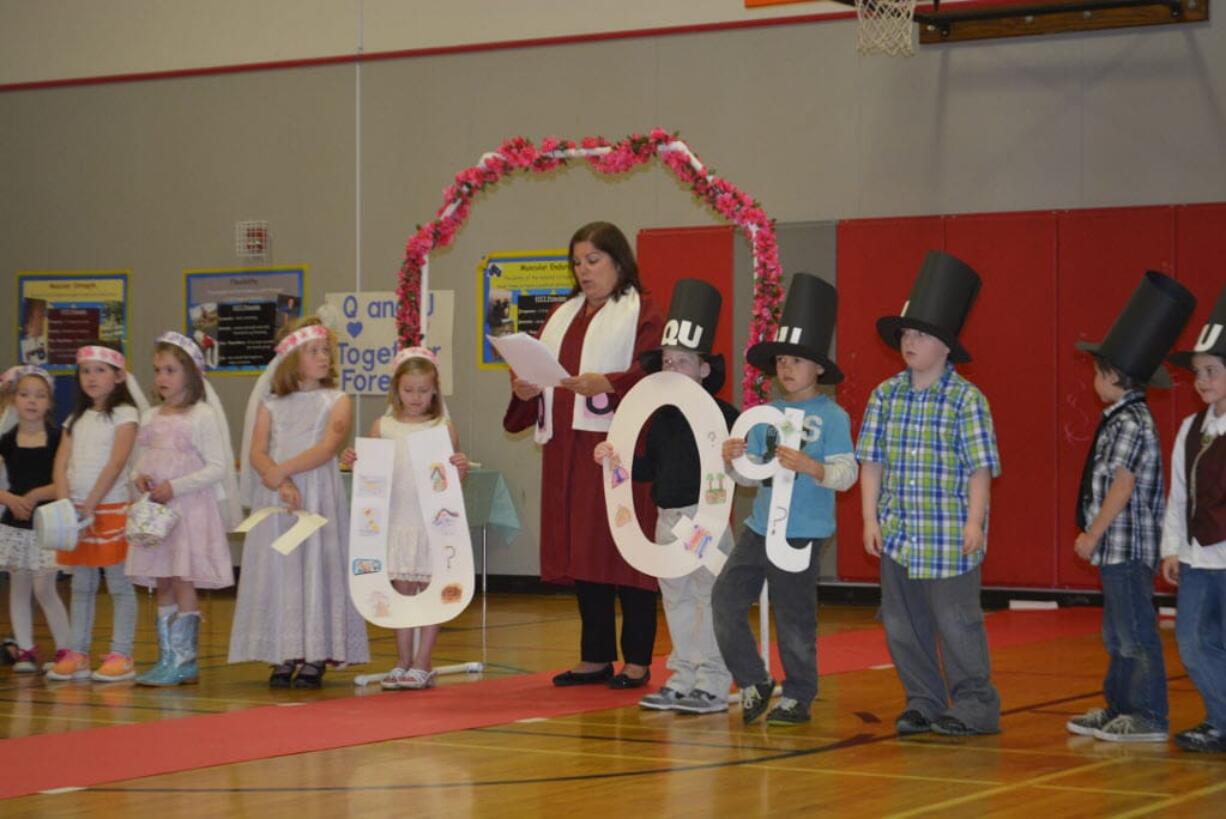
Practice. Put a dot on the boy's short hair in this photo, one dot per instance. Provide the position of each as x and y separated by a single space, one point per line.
1120 378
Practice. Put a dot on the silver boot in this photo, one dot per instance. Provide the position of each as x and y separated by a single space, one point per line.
158 674
184 634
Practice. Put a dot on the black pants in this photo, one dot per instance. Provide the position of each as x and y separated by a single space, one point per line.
596 610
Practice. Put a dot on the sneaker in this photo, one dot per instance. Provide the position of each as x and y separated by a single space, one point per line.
416 679
1130 728
788 712
59 655
72 666
951 726
115 667
393 679
1203 738
701 702
9 651
912 721
1089 722
755 699
26 662
663 700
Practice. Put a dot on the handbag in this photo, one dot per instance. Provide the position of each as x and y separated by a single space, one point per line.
149 523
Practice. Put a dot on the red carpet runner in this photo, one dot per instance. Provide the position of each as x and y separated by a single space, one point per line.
91 757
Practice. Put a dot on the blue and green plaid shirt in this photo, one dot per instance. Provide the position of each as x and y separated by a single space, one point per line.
929 442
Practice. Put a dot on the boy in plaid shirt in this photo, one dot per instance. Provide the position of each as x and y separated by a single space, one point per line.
1120 510
928 454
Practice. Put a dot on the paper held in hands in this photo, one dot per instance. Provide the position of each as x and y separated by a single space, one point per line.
531 360
306 525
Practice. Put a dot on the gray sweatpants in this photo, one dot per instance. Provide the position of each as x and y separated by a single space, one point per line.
793 599
918 614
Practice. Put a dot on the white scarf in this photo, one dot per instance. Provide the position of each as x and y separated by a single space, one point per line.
608 347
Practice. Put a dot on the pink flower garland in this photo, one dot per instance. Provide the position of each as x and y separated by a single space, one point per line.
520 155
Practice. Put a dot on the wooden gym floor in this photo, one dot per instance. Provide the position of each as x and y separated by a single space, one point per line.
628 762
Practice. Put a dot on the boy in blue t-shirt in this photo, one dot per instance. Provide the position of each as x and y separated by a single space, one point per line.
824 464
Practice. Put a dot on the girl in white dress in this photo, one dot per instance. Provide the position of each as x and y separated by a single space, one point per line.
294 610
416 404
91 468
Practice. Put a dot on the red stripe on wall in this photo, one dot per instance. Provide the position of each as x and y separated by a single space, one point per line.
467 48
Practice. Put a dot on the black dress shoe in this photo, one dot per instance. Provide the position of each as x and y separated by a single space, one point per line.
622 681
310 675
567 678
282 674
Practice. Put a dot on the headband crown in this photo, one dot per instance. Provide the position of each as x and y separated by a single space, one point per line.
186 345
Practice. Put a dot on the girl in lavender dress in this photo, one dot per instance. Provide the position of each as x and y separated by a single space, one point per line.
294 610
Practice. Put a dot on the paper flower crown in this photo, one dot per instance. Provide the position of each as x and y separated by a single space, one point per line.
186 345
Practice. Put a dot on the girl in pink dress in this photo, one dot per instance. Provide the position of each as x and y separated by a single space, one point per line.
184 460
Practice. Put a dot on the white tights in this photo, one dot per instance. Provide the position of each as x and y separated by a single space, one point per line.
21 583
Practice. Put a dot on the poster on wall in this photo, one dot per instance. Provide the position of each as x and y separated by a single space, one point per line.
367 339
235 314
515 291
59 311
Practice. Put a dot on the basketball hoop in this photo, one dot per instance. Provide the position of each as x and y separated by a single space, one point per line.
885 27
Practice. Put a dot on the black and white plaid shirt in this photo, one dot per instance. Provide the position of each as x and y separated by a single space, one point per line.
1130 441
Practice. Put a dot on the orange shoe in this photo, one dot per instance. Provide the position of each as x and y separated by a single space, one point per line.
115 668
72 666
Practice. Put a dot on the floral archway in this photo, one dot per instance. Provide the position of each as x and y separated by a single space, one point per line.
518 155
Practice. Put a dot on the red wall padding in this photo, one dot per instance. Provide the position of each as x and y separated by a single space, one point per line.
877 260
1050 279
668 254
1103 254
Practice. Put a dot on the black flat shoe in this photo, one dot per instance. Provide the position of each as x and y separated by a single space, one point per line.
622 681
911 722
567 678
310 675
282 675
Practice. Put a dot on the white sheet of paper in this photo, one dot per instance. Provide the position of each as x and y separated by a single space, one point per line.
530 358
307 524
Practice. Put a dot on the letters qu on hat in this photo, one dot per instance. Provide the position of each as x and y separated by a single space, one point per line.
693 315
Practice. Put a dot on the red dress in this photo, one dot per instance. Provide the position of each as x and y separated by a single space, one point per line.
575 540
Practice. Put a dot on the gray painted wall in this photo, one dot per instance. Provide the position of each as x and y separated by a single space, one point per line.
151 176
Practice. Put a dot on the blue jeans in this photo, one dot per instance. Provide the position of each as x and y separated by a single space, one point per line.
1136 675
85 583
1200 628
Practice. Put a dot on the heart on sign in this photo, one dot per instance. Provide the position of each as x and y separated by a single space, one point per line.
354 328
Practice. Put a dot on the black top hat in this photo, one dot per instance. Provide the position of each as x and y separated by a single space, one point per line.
693 315
940 300
1144 331
1212 339
805 328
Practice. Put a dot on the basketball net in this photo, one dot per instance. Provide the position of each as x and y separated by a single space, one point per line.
886 27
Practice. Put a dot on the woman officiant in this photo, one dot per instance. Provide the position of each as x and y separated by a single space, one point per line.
598 333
